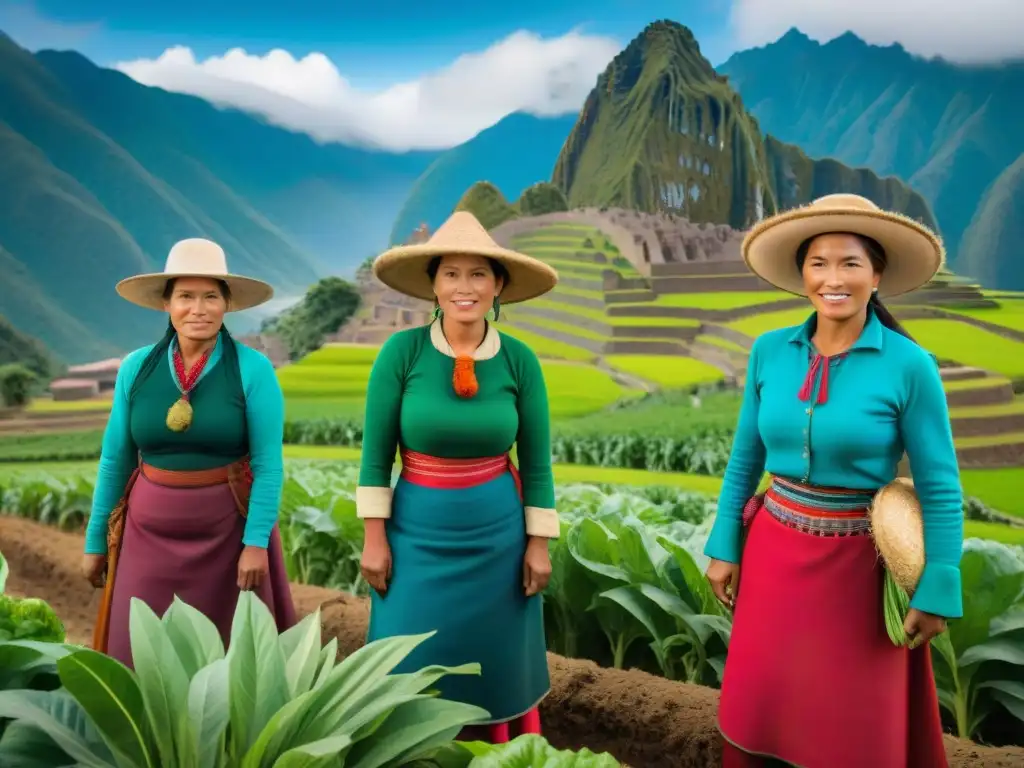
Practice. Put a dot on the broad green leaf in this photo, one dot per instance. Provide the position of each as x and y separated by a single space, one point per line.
4 572
359 715
1010 694
632 603
24 746
318 754
195 638
209 712
63 720
360 672
258 686
164 686
412 730
300 646
993 577
110 695
454 754
996 649
328 658
594 547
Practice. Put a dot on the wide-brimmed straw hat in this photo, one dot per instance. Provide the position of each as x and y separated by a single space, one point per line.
195 257
404 267
914 254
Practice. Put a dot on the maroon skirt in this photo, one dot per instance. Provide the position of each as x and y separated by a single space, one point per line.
811 677
185 542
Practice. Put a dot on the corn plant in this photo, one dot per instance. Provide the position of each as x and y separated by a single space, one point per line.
269 701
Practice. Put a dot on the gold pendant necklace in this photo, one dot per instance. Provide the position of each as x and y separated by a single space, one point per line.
179 415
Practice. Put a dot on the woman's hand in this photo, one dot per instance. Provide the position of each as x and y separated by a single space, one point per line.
725 581
376 561
253 567
94 568
536 566
921 627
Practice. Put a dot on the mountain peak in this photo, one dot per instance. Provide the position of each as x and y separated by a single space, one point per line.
794 36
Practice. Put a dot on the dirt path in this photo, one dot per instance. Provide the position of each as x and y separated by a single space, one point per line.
643 720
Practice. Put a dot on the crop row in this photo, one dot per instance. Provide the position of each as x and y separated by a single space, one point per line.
627 588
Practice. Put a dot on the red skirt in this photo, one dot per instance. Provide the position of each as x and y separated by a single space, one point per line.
811 677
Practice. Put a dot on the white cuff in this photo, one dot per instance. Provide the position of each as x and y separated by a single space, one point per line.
542 522
373 502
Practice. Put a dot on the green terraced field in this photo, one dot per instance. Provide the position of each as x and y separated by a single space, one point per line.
665 371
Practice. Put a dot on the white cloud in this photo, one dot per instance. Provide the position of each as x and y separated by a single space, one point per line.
520 73
968 32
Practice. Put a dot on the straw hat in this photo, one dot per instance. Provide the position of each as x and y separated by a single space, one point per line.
914 253
195 257
897 526
404 267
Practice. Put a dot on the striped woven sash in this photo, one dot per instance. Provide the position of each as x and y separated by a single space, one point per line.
819 511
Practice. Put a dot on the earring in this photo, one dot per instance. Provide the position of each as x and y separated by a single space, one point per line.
497 308
437 310
875 289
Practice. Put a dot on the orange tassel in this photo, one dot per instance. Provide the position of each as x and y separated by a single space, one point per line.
464 377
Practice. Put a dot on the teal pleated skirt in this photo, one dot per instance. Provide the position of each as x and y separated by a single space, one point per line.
457 568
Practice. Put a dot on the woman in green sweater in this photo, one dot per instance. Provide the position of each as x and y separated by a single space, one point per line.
190 474
460 545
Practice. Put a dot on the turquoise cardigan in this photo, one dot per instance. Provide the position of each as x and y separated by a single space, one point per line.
884 397
264 407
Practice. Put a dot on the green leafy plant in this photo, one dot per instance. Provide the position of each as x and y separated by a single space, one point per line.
269 701
26 618
979 661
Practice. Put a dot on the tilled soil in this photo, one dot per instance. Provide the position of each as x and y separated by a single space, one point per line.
643 720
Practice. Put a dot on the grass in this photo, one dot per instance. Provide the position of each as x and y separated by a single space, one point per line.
668 372
544 347
46 405
660 415
717 299
952 340
599 315
755 325
1004 534
1010 314
997 488
575 390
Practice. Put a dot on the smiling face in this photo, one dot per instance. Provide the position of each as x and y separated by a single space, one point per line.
840 273
196 306
465 286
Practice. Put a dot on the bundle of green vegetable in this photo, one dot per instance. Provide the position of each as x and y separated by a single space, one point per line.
898 530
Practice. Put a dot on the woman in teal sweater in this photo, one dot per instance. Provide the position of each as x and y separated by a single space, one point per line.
190 474
829 408
460 545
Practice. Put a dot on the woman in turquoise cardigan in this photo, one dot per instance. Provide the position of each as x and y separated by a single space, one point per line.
460 544
829 408
190 474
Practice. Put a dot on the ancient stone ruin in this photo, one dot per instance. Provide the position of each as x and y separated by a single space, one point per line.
383 311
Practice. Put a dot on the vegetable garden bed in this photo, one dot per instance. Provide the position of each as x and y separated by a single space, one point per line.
643 720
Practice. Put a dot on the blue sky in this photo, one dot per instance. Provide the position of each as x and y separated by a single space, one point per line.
430 74
370 42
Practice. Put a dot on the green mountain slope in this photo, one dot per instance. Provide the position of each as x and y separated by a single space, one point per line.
991 251
663 131
106 175
948 130
514 153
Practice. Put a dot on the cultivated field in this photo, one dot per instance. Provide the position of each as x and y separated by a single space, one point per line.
642 362
637 641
